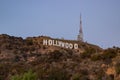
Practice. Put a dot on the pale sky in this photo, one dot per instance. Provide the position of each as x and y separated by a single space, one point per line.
60 18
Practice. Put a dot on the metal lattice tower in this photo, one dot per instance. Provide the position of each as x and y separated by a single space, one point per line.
80 35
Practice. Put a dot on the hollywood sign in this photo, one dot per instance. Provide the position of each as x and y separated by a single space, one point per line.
59 43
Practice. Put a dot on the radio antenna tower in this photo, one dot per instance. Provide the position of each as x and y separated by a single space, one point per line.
80 35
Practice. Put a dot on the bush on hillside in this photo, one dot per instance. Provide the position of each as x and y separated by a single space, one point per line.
26 76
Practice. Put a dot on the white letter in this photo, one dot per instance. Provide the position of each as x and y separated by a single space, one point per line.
62 44
44 42
50 42
56 43
66 45
70 46
75 46
53 43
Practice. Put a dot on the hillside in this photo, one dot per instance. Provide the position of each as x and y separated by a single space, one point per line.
19 57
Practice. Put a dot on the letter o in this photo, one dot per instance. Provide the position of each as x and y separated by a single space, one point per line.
70 46
75 46
50 42
66 45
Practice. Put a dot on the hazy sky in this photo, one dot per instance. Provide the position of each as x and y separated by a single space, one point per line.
60 18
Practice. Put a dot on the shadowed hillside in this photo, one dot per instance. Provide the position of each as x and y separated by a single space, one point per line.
29 58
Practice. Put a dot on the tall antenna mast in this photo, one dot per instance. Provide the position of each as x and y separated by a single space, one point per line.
80 35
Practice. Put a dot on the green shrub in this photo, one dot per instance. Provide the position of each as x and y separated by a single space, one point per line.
16 77
26 76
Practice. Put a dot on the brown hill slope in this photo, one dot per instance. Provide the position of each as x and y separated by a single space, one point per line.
88 62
